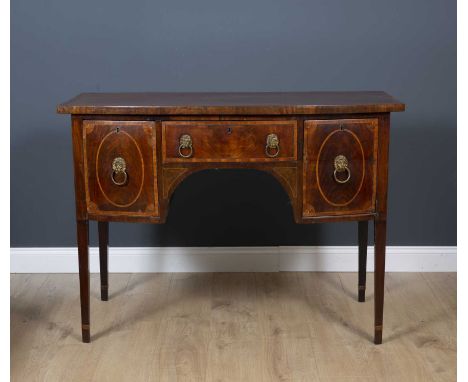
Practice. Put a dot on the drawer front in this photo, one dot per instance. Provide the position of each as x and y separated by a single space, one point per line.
229 141
120 167
340 164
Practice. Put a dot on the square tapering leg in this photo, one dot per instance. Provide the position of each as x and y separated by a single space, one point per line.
83 261
362 240
380 228
103 230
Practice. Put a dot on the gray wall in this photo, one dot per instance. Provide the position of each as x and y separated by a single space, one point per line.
60 48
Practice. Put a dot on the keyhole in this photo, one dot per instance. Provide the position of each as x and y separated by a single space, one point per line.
229 130
341 126
117 129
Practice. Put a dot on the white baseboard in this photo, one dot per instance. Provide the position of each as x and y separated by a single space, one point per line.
233 259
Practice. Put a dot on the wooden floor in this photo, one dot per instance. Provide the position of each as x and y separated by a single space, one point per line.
234 327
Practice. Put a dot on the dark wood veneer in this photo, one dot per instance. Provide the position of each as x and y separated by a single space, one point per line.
229 141
356 140
231 103
332 161
134 142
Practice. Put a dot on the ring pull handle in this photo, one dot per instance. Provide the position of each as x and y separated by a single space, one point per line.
272 146
341 165
119 170
185 143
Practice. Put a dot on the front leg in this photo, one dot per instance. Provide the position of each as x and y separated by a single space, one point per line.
380 228
103 230
83 261
362 240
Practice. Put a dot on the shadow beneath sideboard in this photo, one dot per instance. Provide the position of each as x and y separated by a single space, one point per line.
259 295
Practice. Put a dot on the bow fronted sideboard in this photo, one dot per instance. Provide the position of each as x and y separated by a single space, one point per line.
329 150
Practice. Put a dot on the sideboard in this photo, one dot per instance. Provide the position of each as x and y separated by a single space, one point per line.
329 150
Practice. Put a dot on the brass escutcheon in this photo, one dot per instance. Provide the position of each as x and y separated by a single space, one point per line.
119 167
272 143
185 142
341 165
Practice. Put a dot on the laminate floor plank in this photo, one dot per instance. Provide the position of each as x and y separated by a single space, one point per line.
331 312
288 326
287 345
183 352
132 334
418 332
444 286
235 351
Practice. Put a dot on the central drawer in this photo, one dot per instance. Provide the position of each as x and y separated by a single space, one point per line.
229 141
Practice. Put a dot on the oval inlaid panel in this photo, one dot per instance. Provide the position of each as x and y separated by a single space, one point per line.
120 144
340 142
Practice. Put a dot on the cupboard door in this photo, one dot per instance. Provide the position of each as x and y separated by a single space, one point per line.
120 167
340 163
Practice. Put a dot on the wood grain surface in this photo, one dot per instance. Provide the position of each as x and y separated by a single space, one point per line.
231 103
245 327
324 140
229 141
133 141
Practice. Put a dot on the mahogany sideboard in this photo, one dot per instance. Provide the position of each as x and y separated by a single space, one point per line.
329 150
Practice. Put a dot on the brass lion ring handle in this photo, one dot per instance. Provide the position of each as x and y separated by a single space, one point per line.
185 143
341 165
272 146
119 170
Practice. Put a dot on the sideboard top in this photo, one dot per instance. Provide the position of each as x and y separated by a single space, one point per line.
231 103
